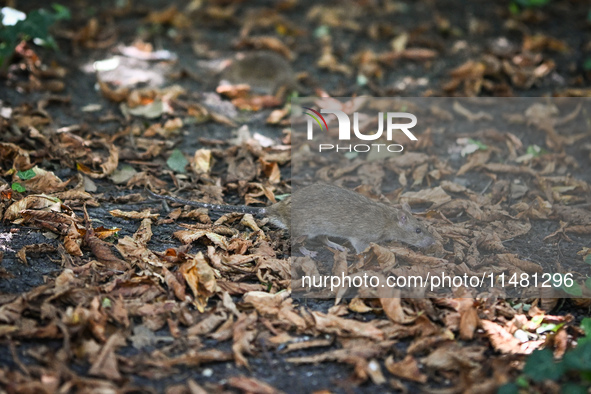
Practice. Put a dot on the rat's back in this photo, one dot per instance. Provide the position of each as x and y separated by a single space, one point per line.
264 71
323 209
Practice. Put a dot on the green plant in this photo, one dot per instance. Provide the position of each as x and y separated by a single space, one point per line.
573 372
516 6
34 27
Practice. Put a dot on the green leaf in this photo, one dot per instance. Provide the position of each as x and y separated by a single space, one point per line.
282 196
540 366
573 388
588 259
579 359
522 381
538 319
536 151
586 376
61 12
509 388
549 327
479 144
106 303
586 326
177 161
574 290
531 3
514 9
17 187
26 175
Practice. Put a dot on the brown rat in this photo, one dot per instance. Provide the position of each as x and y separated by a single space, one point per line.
265 72
328 210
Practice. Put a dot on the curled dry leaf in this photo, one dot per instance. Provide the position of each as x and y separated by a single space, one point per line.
201 161
512 261
18 157
137 253
44 182
275 305
434 195
471 116
173 283
408 368
32 202
145 214
252 385
502 341
107 167
475 160
208 324
106 364
35 248
200 278
345 327
469 322
384 256
242 337
57 222
116 95
188 236
393 309
508 229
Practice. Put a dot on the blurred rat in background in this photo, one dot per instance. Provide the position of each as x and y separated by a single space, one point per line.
267 73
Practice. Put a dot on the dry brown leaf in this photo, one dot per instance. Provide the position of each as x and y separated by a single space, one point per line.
504 342
434 195
408 368
200 278
35 248
201 161
32 202
252 385
393 309
108 167
145 214
106 363
242 337
471 116
188 236
475 160
44 182
173 283
469 322
345 327
116 95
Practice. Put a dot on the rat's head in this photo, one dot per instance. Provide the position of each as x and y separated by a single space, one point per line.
413 231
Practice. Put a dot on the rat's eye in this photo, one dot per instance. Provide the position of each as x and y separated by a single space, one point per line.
418 230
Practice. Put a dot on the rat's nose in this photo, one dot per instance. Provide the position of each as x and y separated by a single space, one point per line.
428 242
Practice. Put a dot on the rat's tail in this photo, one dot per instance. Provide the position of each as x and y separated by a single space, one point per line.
257 211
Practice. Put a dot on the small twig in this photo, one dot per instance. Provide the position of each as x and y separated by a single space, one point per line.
486 187
16 359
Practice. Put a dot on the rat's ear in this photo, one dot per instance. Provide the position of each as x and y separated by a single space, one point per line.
401 217
406 207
